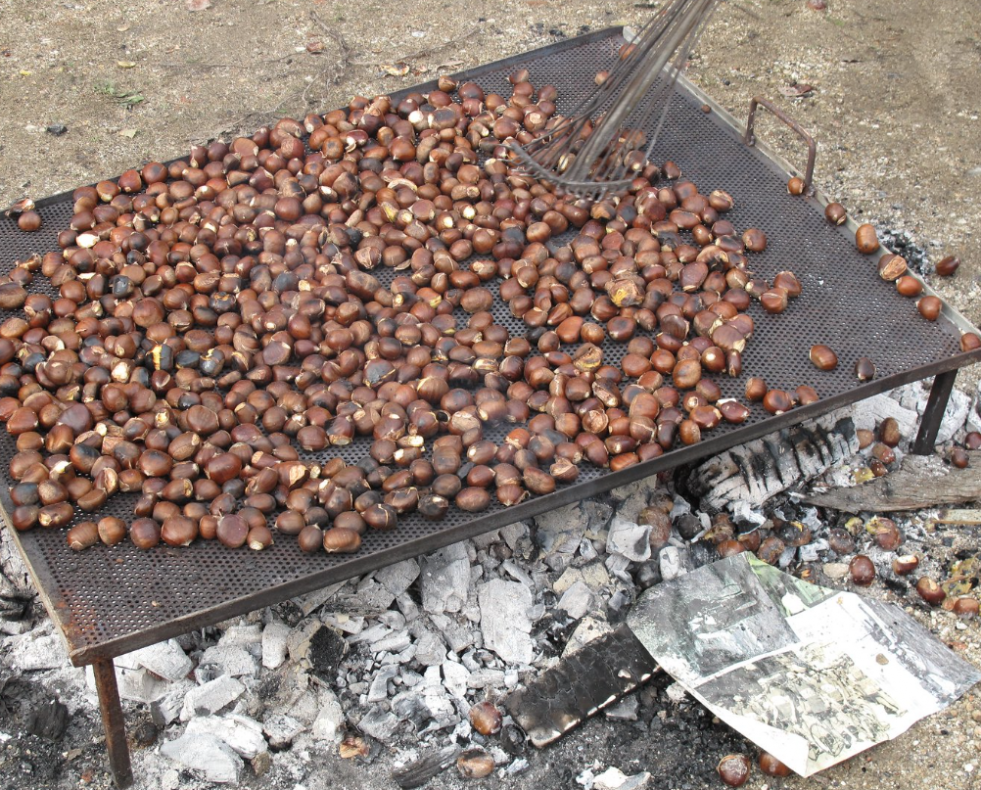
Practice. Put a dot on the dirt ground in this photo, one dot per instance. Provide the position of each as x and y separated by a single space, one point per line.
893 104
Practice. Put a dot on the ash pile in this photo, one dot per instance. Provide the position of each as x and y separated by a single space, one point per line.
406 673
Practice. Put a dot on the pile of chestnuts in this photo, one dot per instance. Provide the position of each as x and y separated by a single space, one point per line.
222 326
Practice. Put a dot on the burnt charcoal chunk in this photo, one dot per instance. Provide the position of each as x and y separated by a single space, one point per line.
49 720
688 525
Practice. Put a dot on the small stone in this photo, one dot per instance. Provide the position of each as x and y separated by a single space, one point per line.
207 756
674 562
458 635
242 734
430 648
589 628
504 620
676 693
626 710
233 660
138 685
835 570
378 689
485 678
629 539
167 708
455 679
242 635
615 779
445 579
343 623
330 717
164 659
398 578
561 529
576 601
281 730
379 723
512 533
211 697
392 643
597 514
261 763
57 129
274 638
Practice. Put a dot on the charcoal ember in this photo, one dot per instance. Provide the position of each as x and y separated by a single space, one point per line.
417 772
49 720
688 525
326 650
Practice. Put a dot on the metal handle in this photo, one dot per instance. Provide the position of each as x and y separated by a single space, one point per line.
750 138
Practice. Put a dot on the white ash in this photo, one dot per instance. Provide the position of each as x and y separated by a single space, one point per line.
165 660
205 755
242 734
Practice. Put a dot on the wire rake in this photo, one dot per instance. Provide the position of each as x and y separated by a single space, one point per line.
591 153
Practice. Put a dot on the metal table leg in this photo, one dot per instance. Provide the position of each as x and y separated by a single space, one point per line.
112 722
934 413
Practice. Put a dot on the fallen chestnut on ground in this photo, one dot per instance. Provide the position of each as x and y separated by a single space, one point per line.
965 607
930 591
905 564
486 718
947 267
734 769
862 570
771 766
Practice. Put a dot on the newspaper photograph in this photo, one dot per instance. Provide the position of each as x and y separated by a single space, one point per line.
811 675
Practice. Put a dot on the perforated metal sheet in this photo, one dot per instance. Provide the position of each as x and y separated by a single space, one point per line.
111 600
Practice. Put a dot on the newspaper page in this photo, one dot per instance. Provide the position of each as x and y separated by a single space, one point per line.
811 675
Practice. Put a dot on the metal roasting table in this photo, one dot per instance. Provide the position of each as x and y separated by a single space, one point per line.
109 601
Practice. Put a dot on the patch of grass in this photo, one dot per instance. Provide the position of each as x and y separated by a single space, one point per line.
124 98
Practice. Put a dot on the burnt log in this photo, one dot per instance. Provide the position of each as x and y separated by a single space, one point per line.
921 481
756 471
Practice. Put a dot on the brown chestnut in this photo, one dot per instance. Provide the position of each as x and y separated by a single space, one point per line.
83 535
835 213
947 267
866 239
862 570
904 564
930 591
734 769
771 766
929 307
823 357
864 369
338 540
486 718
